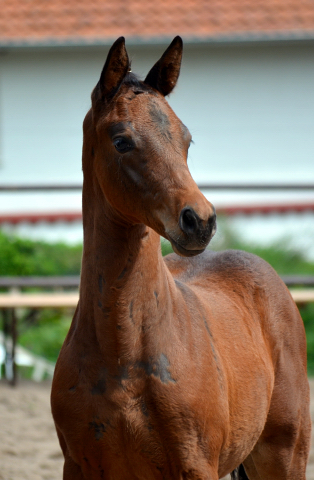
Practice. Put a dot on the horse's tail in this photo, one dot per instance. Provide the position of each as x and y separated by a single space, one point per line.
239 473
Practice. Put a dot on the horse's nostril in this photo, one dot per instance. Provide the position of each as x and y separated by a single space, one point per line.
188 221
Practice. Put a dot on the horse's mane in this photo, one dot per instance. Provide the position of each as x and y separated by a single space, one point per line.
133 81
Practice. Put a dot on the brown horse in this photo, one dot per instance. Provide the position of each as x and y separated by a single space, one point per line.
175 368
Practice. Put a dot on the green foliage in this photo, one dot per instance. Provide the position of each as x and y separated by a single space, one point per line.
46 336
40 331
284 260
166 247
20 256
307 314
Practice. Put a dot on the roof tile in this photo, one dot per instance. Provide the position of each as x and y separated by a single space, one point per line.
37 21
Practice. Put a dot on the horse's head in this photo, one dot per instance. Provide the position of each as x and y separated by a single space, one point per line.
139 149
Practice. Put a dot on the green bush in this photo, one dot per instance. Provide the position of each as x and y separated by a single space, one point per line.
40 331
22 257
307 314
45 336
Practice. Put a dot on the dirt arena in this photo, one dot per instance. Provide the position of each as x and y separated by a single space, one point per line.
29 448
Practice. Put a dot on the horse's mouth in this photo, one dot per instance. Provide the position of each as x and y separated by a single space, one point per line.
184 252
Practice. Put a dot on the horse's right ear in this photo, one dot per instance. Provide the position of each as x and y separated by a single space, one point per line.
115 69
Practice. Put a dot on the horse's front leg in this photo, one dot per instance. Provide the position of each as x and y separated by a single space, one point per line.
72 471
210 473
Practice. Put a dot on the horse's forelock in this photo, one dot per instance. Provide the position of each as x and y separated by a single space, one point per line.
131 80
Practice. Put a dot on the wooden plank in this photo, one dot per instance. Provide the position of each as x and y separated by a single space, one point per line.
298 280
38 300
72 281
70 299
15 187
302 295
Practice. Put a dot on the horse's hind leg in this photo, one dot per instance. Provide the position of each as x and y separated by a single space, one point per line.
283 448
277 461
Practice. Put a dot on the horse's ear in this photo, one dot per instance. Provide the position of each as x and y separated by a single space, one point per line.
165 73
115 69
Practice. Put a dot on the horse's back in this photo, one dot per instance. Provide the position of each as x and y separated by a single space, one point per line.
227 266
247 285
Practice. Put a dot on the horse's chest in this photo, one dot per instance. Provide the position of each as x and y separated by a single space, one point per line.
122 439
153 410
140 425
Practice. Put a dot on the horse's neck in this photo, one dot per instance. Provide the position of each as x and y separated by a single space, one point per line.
122 282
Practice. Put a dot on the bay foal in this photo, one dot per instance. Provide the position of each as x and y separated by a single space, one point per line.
177 368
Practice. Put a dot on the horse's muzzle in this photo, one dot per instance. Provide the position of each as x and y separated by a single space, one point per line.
195 233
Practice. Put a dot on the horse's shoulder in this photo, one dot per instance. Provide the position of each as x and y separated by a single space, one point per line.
237 260
231 269
228 264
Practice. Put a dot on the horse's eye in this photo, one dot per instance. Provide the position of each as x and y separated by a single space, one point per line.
123 145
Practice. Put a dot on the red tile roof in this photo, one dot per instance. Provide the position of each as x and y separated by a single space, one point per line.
100 21
68 217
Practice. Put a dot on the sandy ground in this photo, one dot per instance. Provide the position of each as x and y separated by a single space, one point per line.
29 448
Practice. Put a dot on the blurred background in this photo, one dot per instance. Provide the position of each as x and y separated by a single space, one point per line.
245 92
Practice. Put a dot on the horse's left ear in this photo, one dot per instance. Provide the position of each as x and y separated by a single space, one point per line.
165 73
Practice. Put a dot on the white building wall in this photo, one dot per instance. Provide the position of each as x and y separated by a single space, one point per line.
250 110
